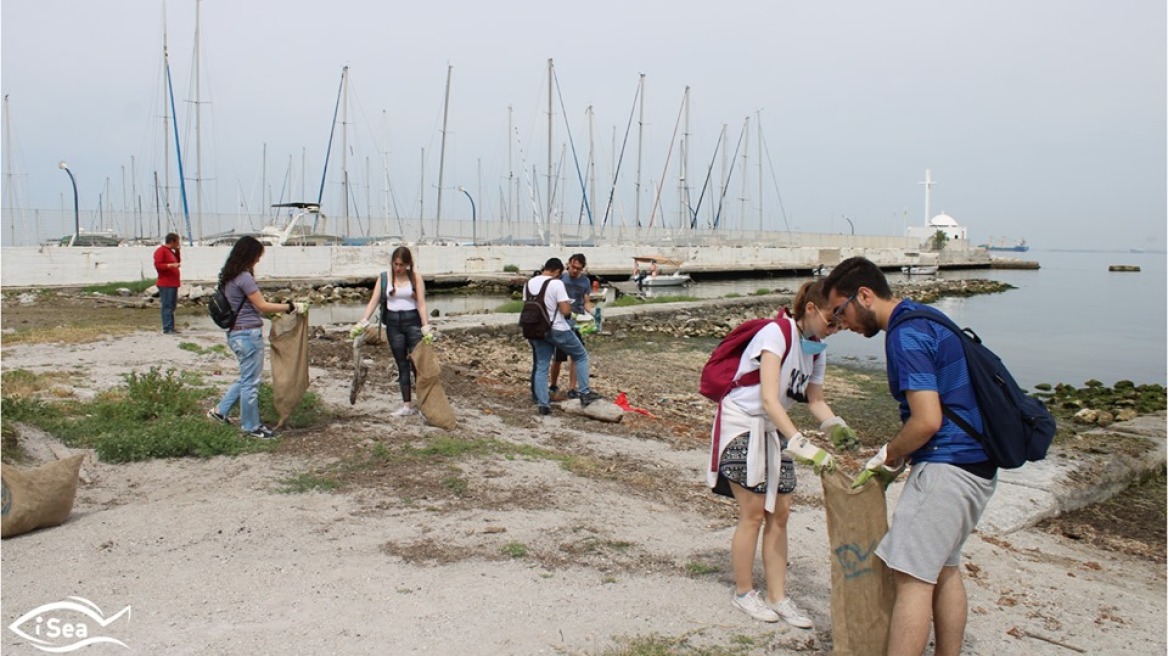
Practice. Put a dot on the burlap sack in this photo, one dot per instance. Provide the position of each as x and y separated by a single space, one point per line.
862 589
289 338
431 397
40 497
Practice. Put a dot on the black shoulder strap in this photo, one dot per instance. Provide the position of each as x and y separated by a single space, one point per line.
223 288
540 295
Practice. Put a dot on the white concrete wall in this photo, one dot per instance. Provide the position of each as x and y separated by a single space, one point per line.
58 266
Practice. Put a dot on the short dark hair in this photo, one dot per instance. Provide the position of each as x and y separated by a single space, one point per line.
579 257
171 237
554 264
853 273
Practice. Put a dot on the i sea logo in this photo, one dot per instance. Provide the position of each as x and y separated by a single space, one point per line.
67 625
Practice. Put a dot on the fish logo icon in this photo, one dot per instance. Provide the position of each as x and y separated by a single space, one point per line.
67 625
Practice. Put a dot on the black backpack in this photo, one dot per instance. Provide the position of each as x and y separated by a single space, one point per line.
221 311
1018 427
534 318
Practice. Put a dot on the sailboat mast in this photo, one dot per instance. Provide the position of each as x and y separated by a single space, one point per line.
511 187
758 122
165 123
550 141
345 147
591 163
198 128
422 198
9 188
715 210
745 149
640 151
682 179
442 154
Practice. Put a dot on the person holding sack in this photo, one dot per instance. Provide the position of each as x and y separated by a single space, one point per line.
753 442
246 336
401 295
952 477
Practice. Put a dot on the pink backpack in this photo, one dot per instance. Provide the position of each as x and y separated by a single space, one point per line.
718 373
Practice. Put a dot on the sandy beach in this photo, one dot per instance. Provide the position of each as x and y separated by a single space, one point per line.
213 558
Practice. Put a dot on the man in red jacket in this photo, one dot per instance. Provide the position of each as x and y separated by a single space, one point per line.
167 261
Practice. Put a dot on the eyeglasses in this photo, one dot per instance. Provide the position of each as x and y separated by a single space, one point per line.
838 313
831 322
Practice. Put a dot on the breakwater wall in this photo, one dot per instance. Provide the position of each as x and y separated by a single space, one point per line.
56 266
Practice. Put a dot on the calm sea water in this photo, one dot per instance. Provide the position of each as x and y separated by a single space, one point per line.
1068 322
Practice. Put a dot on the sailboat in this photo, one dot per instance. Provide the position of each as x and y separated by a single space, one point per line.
305 227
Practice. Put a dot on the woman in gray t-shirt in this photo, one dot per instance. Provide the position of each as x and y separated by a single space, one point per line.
246 336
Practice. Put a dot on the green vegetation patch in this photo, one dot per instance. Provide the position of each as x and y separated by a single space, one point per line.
628 300
111 288
155 414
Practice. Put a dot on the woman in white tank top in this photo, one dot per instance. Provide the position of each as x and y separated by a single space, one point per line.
404 317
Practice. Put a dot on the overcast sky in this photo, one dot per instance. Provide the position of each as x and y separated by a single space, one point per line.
1042 119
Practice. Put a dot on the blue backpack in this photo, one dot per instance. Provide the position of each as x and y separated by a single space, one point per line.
1018 427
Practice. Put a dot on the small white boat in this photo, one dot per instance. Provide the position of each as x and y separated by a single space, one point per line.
649 271
675 279
920 270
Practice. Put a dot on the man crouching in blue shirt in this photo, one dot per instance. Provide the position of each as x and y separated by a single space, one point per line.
952 478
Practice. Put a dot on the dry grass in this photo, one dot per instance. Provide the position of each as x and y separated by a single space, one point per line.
65 334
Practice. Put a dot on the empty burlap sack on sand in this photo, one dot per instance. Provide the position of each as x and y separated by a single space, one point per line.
289 338
40 497
431 397
862 591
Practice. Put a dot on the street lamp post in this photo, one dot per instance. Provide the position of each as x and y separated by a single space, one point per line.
474 239
76 213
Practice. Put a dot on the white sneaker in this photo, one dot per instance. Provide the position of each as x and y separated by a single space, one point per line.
753 605
404 411
787 610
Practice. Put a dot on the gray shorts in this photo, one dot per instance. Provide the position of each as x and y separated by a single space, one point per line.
938 509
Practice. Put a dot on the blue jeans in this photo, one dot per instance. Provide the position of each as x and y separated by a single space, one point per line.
248 346
168 298
569 343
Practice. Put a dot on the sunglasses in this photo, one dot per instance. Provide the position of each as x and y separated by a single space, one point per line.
838 313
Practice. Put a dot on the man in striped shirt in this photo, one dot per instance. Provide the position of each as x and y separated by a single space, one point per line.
952 478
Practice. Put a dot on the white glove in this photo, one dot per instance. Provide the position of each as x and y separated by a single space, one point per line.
358 328
842 436
427 329
428 334
583 317
301 307
801 449
886 472
880 461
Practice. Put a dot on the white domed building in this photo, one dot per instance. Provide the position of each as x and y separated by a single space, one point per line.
942 222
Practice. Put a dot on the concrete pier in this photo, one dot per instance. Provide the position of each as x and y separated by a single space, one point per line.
56 266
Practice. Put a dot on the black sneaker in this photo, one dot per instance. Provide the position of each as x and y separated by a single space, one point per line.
573 394
213 414
261 432
587 399
545 410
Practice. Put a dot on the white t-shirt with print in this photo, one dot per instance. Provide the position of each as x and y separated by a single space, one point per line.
556 292
797 372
